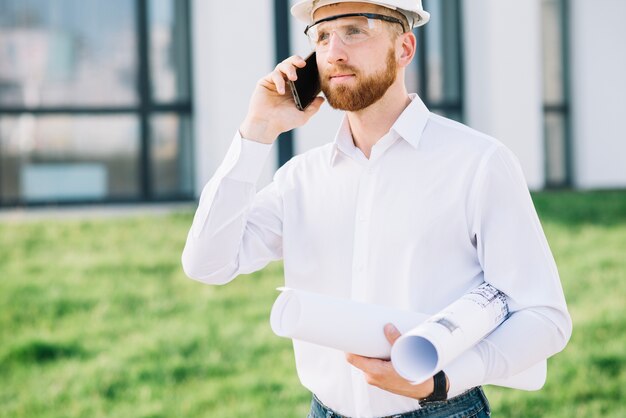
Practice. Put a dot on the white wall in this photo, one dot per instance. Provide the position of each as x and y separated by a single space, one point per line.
598 92
232 49
503 97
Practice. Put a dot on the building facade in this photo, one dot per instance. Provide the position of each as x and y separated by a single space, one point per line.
138 100
95 101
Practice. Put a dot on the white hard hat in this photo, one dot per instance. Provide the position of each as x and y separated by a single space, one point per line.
412 9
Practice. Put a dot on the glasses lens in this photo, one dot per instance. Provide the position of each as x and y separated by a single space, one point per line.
351 30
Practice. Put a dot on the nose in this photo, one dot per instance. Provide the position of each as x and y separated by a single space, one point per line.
336 49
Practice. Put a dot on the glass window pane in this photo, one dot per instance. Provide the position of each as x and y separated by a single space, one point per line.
67 52
171 156
68 157
443 52
554 93
169 50
553 71
556 149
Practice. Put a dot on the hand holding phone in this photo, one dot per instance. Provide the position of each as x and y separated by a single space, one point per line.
306 88
270 112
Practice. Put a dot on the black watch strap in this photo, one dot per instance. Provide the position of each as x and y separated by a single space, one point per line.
439 391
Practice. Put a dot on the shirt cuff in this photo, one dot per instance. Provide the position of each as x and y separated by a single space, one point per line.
245 159
464 373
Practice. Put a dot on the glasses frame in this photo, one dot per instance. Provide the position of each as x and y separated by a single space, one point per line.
377 16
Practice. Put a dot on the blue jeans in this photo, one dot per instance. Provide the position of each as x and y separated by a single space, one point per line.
471 404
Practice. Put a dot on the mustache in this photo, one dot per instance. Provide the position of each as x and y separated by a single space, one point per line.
340 68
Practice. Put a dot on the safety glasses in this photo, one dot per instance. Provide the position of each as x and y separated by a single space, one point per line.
351 28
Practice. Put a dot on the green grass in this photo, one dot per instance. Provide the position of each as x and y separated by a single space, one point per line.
98 320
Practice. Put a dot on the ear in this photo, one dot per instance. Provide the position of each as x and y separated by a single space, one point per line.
406 49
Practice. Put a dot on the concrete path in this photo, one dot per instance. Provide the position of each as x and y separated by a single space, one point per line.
93 211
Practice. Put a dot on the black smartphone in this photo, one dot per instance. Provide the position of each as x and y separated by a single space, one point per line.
307 86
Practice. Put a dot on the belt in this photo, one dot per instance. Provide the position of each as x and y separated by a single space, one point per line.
467 404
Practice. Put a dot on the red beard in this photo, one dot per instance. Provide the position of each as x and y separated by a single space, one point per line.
369 89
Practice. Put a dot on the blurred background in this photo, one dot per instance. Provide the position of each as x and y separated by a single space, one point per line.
137 100
132 104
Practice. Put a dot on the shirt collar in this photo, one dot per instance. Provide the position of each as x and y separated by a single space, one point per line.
343 141
409 126
412 121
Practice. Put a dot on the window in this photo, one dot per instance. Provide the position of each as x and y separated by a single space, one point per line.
555 95
95 101
436 72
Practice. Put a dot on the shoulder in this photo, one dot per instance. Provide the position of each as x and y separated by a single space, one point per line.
451 136
471 152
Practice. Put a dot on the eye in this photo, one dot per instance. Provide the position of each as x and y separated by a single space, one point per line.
354 30
322 37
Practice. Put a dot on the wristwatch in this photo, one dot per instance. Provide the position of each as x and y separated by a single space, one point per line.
440 392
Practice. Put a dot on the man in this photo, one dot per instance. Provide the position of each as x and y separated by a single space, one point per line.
404 208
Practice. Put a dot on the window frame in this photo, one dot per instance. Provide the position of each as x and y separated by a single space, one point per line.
561 109
445 106
144 110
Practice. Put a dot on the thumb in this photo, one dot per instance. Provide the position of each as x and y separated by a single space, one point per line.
392 333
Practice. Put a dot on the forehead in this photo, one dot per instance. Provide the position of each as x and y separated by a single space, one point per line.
349 7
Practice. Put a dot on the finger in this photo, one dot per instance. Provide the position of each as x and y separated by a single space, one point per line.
372 366
288 66
278 81
288 69
296 60
392 333
359 362
351 358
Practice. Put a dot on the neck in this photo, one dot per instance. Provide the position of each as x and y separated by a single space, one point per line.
372 123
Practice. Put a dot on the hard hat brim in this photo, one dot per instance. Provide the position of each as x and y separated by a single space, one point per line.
303 10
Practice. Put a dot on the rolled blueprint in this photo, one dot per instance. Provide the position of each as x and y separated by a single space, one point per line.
356 327
343 324
430 346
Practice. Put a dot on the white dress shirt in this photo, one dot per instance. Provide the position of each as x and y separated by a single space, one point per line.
437 209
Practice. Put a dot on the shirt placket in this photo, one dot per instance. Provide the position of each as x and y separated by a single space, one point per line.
361 283
360 263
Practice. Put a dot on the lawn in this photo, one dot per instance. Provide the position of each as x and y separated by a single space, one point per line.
98 320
